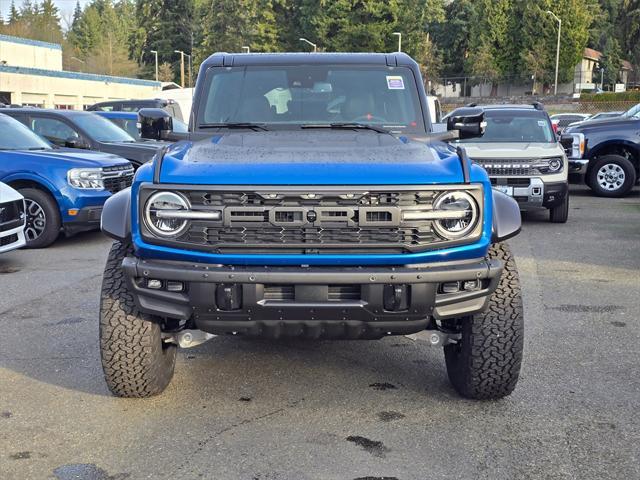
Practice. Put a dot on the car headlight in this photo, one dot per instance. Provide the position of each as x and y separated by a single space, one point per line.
86 178
166 214
548 165
460 205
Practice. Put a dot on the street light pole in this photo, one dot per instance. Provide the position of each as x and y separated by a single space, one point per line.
555 86
189 60
315 47
181 66
399 35
155 52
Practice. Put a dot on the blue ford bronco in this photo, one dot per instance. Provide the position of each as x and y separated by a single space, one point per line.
311 198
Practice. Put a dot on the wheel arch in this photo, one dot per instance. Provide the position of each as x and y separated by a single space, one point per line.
616 147
116 216
33 181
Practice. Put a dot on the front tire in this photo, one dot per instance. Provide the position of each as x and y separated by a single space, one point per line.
485 363
43 218
560 214
611 176
135 360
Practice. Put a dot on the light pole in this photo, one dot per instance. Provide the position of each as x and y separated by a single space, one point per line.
399 35
182 54
315 47
189 60
81 62
246 49
155 52
555 86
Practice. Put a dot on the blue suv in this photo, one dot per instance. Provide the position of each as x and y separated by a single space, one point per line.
311 198
62 188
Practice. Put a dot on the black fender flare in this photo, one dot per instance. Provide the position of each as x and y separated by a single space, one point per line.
507 220
116 216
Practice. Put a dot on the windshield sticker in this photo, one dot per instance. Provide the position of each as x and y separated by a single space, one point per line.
395 82
541 123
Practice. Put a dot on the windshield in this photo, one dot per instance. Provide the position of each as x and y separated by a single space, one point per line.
16 136
515 126
292 96
101 129
633 112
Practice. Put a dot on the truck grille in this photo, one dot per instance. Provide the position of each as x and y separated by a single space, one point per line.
506 166
310 221
117 177
11 215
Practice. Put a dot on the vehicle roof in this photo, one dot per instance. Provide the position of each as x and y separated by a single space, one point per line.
506 106
62 113
300 58
126 115
135 101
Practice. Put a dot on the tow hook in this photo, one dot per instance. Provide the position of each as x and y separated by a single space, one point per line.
436 338
187 338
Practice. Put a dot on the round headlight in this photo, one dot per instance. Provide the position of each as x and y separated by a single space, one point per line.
555 164
464 214
157 214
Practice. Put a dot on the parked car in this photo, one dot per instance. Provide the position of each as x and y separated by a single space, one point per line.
63 189
601 115
564 119
523 157
12 218
128 121
85 130
605 154
311 200
170 106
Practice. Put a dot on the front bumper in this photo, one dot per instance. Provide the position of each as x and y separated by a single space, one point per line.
12 239
337 302
538 194
578 166
87 218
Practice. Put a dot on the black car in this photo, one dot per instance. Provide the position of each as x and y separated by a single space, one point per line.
606 153
170 106
76 129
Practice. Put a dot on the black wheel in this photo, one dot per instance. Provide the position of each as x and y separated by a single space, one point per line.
560 214
485 363
43 218
611 176
135 360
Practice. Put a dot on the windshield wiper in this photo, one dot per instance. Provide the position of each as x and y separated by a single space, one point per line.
249 125
347 126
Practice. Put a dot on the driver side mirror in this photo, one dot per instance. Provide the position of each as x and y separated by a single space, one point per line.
469 123
155 123
74 142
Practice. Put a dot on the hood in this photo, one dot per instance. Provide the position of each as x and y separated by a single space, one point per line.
137 152
599 123
73 157
310 157
512 150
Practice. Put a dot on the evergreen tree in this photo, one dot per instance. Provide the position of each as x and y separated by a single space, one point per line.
14 14
628 24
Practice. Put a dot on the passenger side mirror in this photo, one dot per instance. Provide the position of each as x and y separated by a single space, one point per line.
155 123
469 123
74 142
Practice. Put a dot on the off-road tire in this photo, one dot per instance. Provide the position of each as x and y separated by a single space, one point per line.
485 363
135 360
51 216
623 163
560 214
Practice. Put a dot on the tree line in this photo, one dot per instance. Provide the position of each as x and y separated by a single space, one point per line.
490 39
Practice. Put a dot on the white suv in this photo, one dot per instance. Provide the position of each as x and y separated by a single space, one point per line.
12 219
523 157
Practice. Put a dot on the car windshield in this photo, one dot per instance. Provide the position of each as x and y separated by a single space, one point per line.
633 112
101 129
516 126
16 136
295 96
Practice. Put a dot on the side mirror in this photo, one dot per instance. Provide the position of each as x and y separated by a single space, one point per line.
73 142
468 123
155 123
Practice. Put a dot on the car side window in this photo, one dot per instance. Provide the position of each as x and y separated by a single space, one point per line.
54 130
129 108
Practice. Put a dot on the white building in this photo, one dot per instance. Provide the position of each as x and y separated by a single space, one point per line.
31 74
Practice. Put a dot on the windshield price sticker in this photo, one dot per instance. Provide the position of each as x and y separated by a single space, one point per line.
395 82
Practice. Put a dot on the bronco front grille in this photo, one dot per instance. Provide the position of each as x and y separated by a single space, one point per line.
311 220
506 166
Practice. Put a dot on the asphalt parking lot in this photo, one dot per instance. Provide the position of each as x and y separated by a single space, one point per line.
255 409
